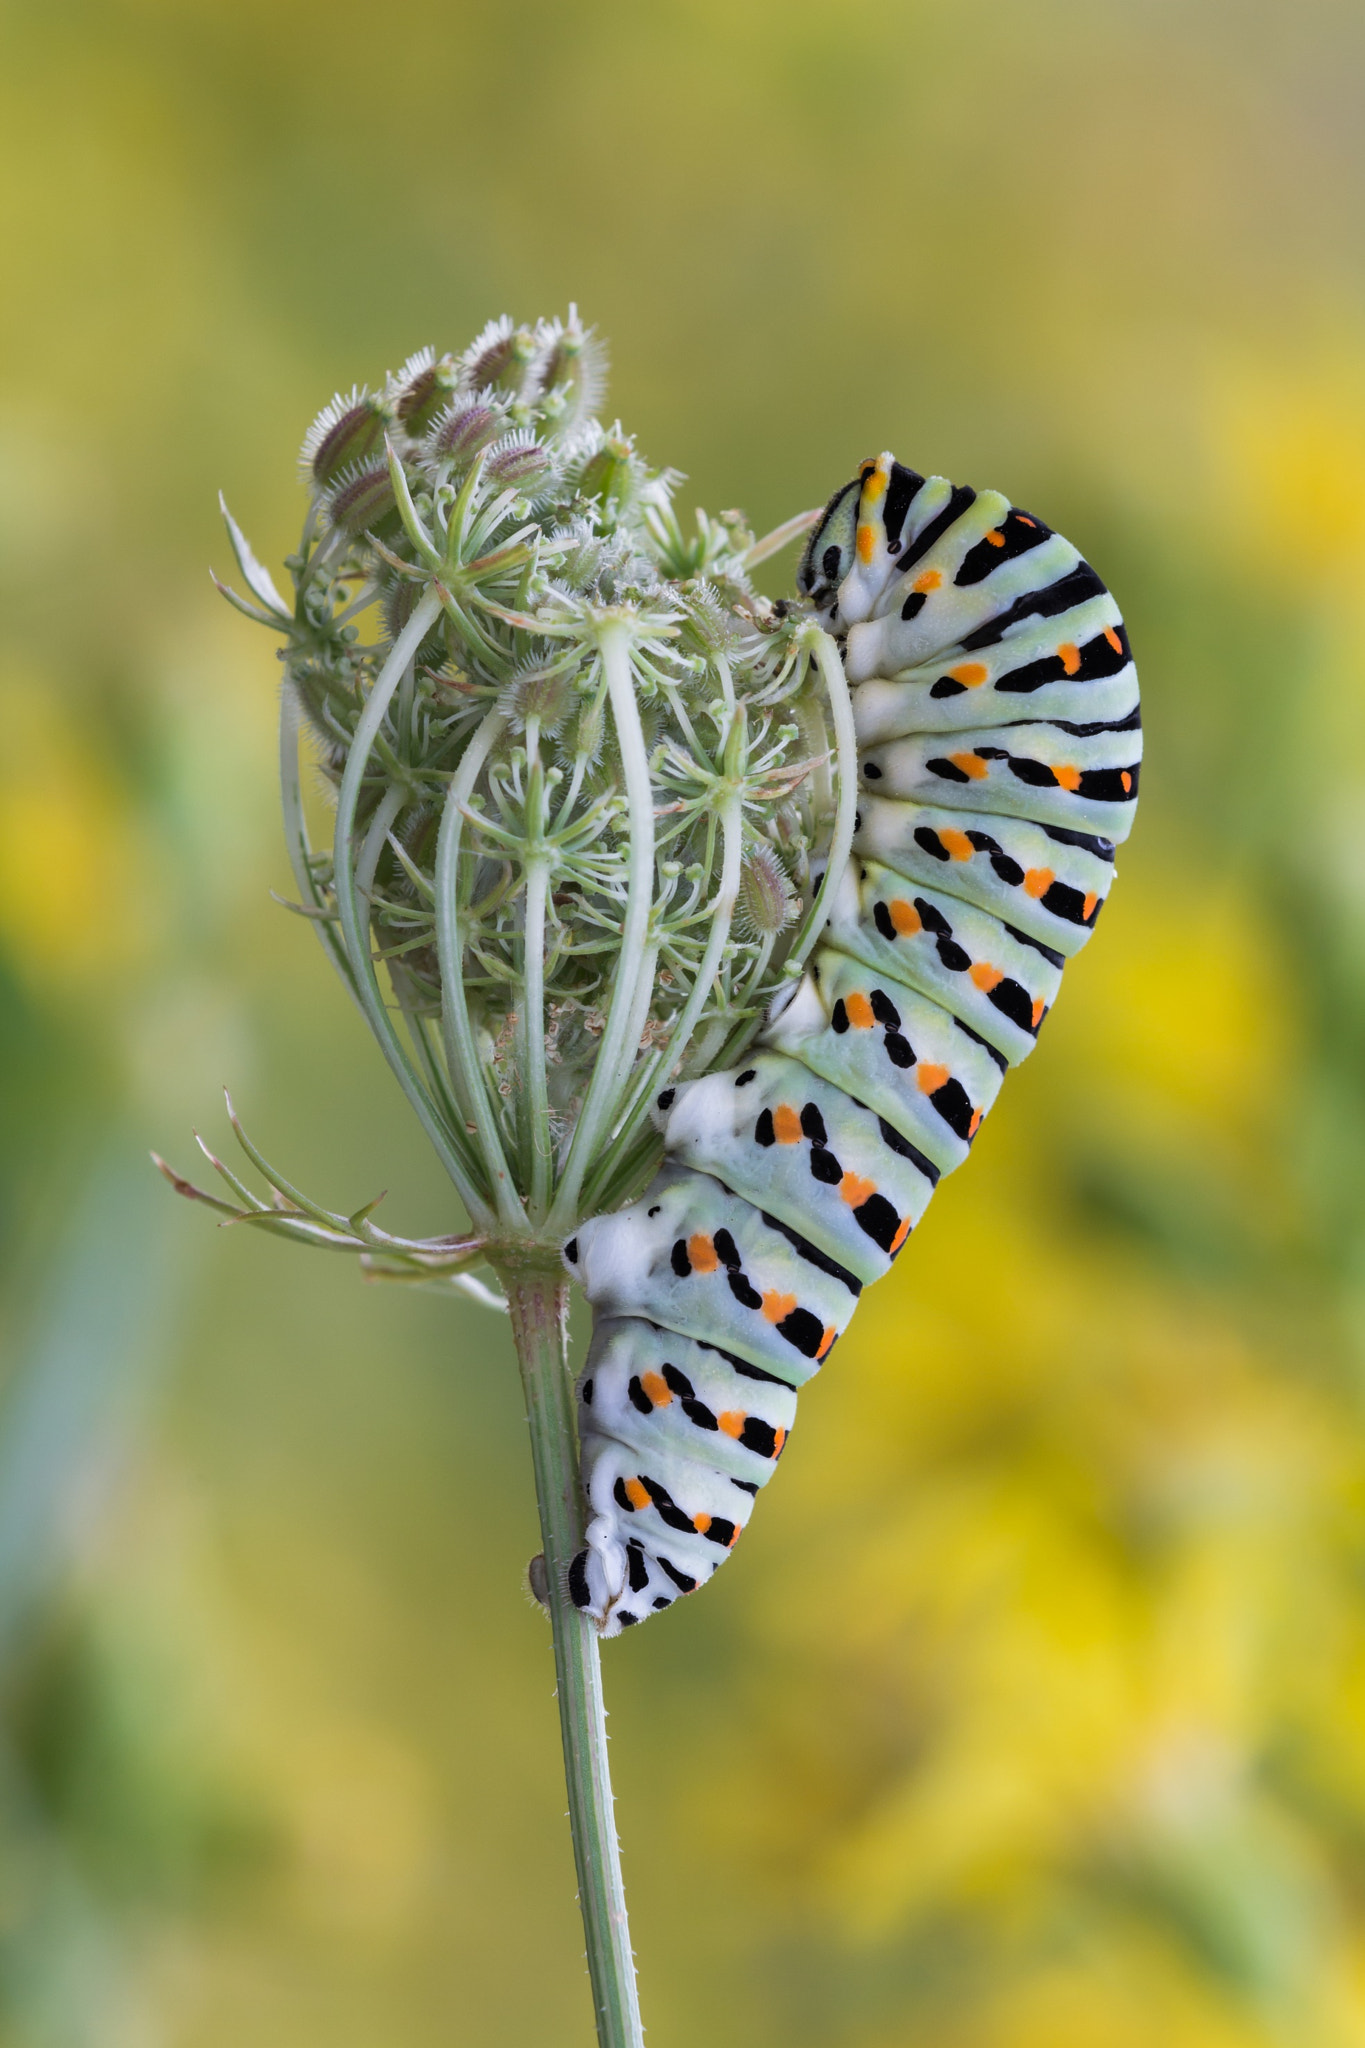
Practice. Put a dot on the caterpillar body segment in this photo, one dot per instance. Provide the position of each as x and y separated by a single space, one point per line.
808 1152
1079 778
708 1264
993 980
1046 885
677 1440
664 1397
1083 674
928 1075
995 703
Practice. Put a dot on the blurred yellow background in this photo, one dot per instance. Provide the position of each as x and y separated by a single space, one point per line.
1032 1714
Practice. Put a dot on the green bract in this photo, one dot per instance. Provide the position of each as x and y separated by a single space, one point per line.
585 775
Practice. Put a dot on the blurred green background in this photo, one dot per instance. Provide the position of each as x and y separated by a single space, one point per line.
1032 1714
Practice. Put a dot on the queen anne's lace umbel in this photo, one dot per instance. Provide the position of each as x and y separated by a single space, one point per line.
582 768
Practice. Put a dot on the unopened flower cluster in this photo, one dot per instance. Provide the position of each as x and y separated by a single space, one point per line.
486 481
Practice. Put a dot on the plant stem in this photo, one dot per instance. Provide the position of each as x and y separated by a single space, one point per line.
537 1296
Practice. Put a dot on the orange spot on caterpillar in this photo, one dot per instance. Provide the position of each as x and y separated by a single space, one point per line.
859 1011
1088 907
657 1388
1067 776
1024 519
930 580
855 1190
826 1341
701 1523
867 543
1070 656
985 976
702 1253
731 1423
1039 1011
899 1239
970 674
636 1494
972 765
905 919
735 1538
958 845
996 537
874 482
777 1307
779 1438
1038 881
786 1125
1127 783
1114 641
931 1077
975 1124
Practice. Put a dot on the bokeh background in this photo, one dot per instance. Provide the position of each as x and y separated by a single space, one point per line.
1033 1713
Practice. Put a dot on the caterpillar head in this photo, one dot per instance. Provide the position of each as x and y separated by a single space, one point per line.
830 550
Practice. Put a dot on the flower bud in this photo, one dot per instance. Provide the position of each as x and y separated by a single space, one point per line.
424 386
591 729
463 431
500 351
344 432
766 904
362 498
537 693
606 476
517 460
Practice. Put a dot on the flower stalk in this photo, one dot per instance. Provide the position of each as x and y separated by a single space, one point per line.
537 1296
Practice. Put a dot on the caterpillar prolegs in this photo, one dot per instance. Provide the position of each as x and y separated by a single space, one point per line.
996 707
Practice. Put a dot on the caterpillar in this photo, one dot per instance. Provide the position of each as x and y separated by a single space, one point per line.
996 708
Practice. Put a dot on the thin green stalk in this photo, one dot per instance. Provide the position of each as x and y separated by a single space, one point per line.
846 761
534 1072
665 1062
462 1056
355 918
297 841
537 1297
617 1057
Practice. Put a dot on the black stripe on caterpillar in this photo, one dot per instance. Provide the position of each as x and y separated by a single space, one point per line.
996 706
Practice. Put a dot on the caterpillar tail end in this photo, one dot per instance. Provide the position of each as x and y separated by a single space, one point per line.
616 1584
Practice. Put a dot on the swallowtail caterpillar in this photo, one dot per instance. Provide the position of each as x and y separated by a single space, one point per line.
996 707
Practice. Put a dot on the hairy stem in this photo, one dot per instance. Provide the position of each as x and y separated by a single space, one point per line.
537 1297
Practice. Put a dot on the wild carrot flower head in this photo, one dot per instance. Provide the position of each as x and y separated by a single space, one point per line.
583 771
